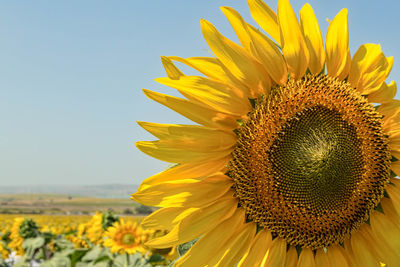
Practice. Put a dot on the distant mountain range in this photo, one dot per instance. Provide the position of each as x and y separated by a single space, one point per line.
100 191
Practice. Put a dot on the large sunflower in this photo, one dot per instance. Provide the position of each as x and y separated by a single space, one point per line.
294 164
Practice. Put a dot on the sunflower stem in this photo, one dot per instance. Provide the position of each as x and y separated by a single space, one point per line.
127 259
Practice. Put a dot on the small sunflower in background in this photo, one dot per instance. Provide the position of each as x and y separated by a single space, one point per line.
124 237
295 157
94 229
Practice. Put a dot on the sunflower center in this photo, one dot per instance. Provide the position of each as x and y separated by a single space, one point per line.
317 159
311 162
128 239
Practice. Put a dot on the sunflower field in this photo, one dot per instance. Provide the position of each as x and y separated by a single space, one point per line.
292 159
103 239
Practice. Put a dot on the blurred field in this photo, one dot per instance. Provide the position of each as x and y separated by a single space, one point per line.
55 223
65 204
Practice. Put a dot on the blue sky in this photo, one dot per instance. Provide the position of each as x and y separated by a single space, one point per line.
71 74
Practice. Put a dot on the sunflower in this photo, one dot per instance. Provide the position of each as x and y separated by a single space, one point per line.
93 229
294 160
124 237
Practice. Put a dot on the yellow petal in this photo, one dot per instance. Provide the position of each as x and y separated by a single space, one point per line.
313 37
187 136
239 62
391 124
258 248
190 170
197 113
389 109
382 249
211 93
384 94
396 183
394 193
306 258
394 144
269 55
387 238
294 47
338 58
239 26
291 257
390 210
259 45
263 49
165 218
234 248
209 246
213 68
391 116
337 256
369 68
170 151
363 253
183 193
395 167
197 223
266 18
276 254
172 71
321 258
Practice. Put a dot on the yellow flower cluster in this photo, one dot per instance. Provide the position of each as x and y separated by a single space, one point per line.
4 252
57 224
16 239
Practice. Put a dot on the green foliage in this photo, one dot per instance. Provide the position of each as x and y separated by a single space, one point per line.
156 258
6 236
142 209
108 219
128 211
95 253
31 246
62 244
57 261
23 262
183 248
125 260
77 255
28 229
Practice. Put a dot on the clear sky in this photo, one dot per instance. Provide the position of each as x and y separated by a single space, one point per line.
71 74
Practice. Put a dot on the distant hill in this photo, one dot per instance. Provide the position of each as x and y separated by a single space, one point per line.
100 191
